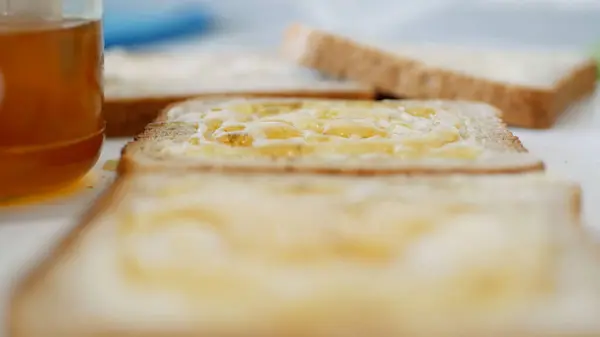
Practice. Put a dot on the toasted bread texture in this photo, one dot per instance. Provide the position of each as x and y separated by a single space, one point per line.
532 88
204 254
139 85
330 136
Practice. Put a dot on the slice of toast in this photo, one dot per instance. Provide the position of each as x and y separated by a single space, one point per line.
204 254
139 85
532 88
330 136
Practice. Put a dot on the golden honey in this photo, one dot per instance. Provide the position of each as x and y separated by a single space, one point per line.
51 128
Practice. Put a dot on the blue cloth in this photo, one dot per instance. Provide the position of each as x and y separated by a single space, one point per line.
128 27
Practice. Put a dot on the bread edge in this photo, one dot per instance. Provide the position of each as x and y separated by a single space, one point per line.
30 278
406 77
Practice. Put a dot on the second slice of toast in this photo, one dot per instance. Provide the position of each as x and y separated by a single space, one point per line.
330 136
531 87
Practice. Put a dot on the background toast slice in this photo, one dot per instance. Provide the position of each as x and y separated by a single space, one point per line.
139 85
531 88
514 222
458 137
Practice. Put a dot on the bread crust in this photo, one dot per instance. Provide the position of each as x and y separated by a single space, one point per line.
406 77
128 117
133 159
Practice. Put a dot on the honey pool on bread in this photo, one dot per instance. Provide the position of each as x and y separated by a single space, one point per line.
326 129
378 252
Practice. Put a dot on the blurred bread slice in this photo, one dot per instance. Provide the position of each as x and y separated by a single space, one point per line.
532 88
139 85
330 136
201 254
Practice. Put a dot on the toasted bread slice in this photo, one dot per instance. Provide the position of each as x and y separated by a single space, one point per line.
532 88
139 85
201 254
330 136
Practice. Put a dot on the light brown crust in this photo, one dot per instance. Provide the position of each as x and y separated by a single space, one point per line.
134 156
405 77
577 205
579 84
129 117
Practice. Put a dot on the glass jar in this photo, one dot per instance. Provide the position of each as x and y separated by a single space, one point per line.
51 127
